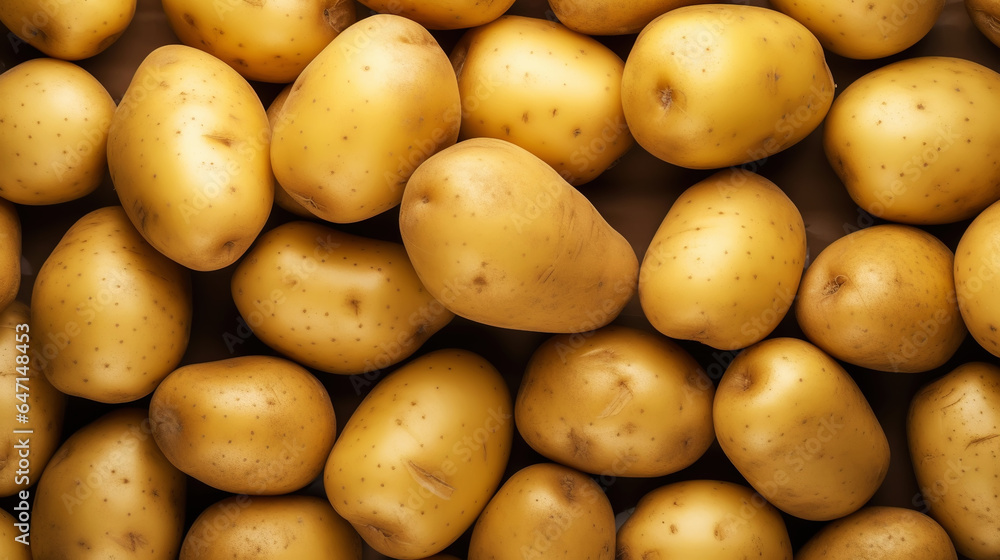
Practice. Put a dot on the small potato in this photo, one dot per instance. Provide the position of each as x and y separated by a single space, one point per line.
703 519
612 17
67 30
545 510
15 543
253 424
10 253
54 122
977 284
880 533
617 401
443 14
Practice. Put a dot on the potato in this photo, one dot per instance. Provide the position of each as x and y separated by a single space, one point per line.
334 301
704 519
279 527
54 121
443 14
251 424
616 401
27 390
551 91
799 429
281 196
880 533
724 266
10 253
910 144
111 316
977 284
985 15
347 157
679 79
12 545
109 493
498 237
609 17
67 30
545 510
188 152
422 454
883 298
952 433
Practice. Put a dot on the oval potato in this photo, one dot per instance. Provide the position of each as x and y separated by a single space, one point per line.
67 30
10 253
977 282
880 533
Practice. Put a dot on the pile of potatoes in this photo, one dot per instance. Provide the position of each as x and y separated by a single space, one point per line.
436 280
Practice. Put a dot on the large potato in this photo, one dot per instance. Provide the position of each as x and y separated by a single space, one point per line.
953 439
252 424
679 79
617 401
112 315
423 453
10 253
612 17
334 301
443 14
499 237
109 493
724 266
545 510
346 157
880 533
883 298
799 429
54 121
552 91
977 278
188 152
66 29
911 143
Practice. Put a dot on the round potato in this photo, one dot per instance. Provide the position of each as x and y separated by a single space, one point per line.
252 424
616 401
610 17
977 282
443 14
883 298
15 536
10 253
880 533
54 122
67 30
679 79
724 266
910 144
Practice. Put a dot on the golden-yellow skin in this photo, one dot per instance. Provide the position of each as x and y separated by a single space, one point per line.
498 237
114 315
10 253
952 434
977 282
883 298
550 90
423 453
188 152
705 519
288 527
109 492
443 14
612 17
799 429
68 30
255 425
724 266
334 301
346 156
910 141
880 533
269 41
281 196
54 120
617 401
10 548
679 79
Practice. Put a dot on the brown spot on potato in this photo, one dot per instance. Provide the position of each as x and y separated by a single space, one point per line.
220 139
568 487
833 286
979 440
666 98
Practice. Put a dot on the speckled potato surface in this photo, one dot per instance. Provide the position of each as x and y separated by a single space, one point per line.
880 533
67 30
281 197
10 253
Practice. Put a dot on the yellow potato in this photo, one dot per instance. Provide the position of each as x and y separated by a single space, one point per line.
15 537
346 157
545 510
54 121
443 14
111 315
498 237
109 493
551 91
704 519
977 282
616 401
799 430
334 301
188 152
281 196
725 264
911 144
883 298
10 253
276 527
953 439
611 17
65 29
423 453
252 424
880 533
679 79
985 16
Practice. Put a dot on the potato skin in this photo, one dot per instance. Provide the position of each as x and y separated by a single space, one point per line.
952 433
985 15
617 401
11 549
798 428
109 492
977 285
247 425
68 30
10 253
281 197
880 533
613 17
443 14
